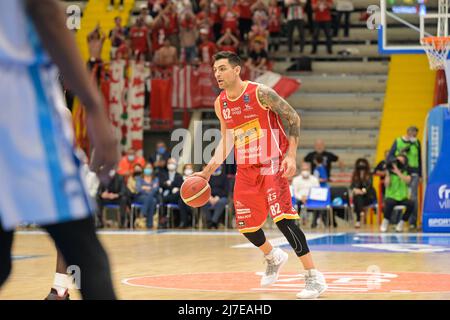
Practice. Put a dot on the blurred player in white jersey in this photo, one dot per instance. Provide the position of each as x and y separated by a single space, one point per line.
37 157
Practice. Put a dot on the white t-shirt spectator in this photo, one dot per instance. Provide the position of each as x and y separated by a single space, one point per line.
302 185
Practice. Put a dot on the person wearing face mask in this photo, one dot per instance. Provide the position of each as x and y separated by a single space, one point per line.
128 161
303 183
185 210
170 182
362 190
215 207
409 145
160 157
147 187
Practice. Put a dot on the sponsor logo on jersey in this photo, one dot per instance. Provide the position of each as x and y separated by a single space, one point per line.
236 110
225 104
246 98
247 132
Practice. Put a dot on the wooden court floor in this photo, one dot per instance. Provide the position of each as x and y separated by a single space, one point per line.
207 265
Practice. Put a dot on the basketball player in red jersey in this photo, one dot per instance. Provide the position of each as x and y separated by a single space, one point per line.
250 117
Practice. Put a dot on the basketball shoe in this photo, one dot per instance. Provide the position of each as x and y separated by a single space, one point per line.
275 260
315 285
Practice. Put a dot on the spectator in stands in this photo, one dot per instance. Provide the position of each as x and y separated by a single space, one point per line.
172 30
409 146
275 20
170 183
206 48
328 157
158 31
260 13
96 39
166 56
159 159
188 36
131 181
115 193
203 18
343 8
147 187
258 57
398 176
116 36
310 14
228 42
144 14
214 6
127 163
362 190
92 181
303 183
245 17
295 19
259 33
215 208
185 210
320 172
140 41
156 6
322 20
380 171
229 14
111 5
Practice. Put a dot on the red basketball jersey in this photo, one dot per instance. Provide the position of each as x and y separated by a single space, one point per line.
258 132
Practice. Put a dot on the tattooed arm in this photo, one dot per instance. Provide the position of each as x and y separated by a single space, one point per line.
291 120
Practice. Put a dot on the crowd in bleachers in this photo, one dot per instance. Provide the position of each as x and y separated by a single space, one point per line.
153 186
168 32
399 175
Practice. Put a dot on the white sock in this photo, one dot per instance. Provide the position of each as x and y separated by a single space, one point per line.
60 283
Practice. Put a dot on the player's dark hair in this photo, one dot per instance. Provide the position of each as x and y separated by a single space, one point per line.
232 58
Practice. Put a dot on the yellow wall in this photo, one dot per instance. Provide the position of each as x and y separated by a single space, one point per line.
409 97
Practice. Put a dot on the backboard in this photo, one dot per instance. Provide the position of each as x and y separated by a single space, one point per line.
399 28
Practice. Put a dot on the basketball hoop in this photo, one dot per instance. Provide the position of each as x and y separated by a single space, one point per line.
437 49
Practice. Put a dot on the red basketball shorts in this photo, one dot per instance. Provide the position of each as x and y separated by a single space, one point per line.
259 190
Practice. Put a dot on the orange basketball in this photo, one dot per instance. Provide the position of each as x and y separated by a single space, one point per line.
195 192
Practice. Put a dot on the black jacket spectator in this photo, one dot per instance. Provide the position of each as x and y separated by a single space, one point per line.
169 181
116 186
362 189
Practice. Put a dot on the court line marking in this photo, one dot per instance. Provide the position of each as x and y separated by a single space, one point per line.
126 281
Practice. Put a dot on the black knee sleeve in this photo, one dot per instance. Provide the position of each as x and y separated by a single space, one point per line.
294 236
257 238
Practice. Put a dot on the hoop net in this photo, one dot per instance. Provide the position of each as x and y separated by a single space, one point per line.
437 49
